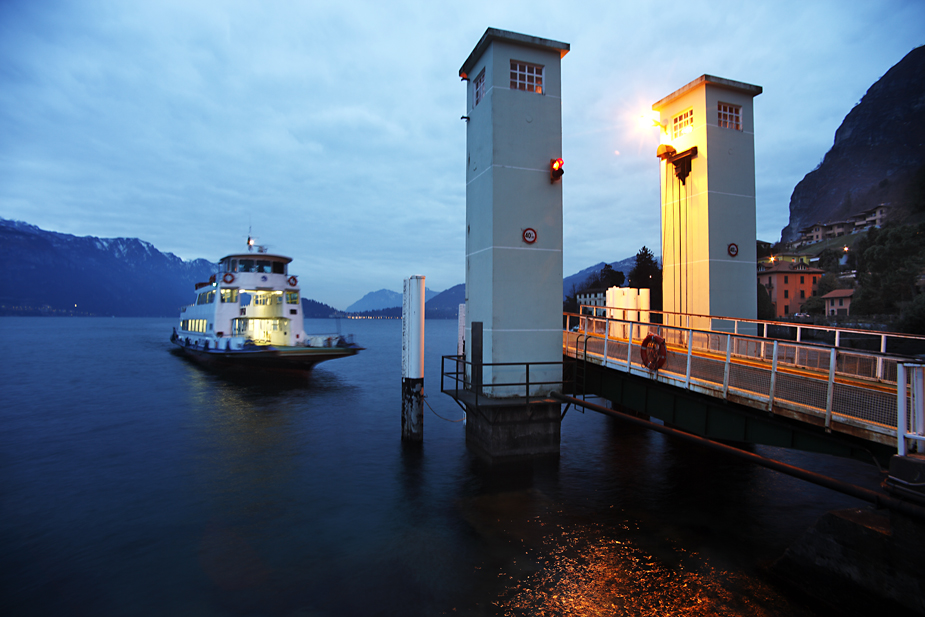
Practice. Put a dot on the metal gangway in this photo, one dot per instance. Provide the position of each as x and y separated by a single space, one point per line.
875 395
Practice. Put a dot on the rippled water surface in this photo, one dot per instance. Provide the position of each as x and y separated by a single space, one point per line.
135 483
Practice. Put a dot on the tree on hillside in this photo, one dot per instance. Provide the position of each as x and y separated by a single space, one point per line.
816 305
571 300
610 277
889 263
647 274
765 306
912 319
829 260
604 279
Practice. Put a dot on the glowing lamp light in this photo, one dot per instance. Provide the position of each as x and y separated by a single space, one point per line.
651 119
555 169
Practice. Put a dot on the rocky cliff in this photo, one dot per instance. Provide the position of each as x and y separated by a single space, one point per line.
878 155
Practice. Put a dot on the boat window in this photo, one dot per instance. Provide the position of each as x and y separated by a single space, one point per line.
206 297
194 325
263 266
258 329
246 265
232 266
267 298
279 267
229 295
292 297
245 299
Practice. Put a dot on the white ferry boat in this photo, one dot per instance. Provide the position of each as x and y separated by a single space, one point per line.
249 315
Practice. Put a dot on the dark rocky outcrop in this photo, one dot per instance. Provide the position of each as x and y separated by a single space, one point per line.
878 155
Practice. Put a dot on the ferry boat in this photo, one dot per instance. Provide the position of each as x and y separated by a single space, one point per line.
249 315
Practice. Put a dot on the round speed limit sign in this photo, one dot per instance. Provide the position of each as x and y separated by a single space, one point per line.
529 235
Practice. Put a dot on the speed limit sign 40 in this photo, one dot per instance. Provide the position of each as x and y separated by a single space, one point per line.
529 235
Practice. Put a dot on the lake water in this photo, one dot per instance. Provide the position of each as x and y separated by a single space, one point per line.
132 482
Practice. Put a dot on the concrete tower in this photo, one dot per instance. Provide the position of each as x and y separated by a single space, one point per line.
513 209
513 215
707 165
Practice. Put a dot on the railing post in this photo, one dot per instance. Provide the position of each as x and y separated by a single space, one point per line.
900 409
918 404
830 394
880 359
528 383
773 378
837 336
690 347
629 350
606 337
726 368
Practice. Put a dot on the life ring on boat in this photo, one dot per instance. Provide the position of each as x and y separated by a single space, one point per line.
228 278
293 281
653 352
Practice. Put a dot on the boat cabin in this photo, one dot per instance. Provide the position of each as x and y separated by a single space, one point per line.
261 263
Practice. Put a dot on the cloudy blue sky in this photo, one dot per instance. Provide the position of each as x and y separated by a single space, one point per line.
333 130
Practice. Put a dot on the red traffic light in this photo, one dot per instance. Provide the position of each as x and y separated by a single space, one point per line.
555 169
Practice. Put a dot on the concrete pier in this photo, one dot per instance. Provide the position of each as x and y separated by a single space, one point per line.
509 429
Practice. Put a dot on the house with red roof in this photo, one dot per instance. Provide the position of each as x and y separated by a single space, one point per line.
789 284
838 302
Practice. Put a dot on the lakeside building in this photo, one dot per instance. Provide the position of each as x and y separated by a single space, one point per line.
862 221
784 258
838 302
596 296
789 284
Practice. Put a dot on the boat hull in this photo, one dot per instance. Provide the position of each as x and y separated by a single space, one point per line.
266 357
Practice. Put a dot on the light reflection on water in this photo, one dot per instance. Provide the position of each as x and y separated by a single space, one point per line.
136 483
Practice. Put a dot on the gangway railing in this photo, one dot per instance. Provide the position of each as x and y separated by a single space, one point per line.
466 381
847 390
895 343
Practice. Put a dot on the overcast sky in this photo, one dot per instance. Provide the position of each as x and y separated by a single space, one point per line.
333 128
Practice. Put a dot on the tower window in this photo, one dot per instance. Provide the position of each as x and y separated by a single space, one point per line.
527 77
730 116
480 87
682 123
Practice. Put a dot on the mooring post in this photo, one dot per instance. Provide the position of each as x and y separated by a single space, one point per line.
412 360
